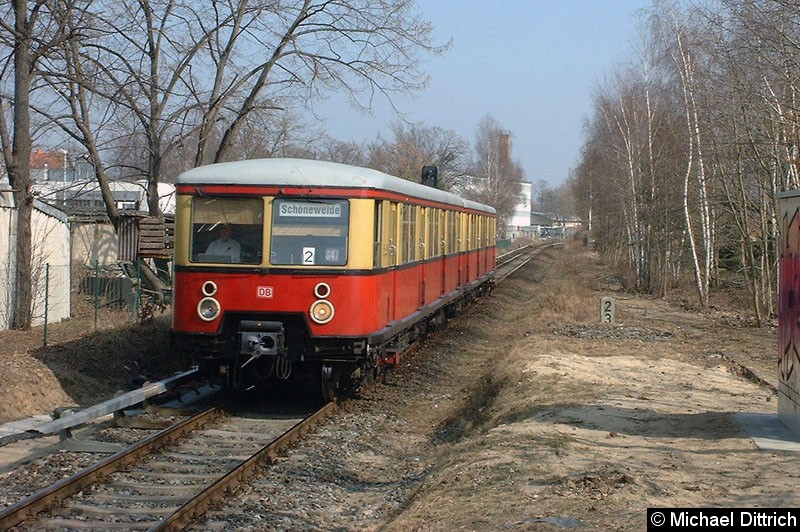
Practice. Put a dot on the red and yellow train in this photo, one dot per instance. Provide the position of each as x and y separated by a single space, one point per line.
289 263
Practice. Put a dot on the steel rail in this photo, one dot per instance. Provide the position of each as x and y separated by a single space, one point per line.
54 494
532 254
198 505
511 255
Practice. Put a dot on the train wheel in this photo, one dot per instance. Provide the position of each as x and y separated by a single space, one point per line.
330 382
372 366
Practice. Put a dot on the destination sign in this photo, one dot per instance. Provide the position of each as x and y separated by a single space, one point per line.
309 209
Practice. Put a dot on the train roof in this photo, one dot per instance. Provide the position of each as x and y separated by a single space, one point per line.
311 173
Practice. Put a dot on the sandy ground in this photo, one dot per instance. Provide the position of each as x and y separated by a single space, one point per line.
581 423
527 414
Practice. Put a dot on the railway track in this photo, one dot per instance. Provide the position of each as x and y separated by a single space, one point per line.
166 481
509 263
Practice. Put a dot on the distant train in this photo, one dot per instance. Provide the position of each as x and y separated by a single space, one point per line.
287 264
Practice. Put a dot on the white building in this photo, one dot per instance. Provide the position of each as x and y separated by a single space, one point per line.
51 261
521 218
86 195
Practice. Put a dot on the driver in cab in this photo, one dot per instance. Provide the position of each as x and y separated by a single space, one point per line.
224 246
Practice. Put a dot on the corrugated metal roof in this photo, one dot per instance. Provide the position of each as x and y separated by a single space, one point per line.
7 202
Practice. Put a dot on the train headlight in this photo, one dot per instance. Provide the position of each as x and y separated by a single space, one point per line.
322 290
321 311
208 309
209 288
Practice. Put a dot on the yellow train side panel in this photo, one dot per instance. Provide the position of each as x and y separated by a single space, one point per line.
183 227
361 234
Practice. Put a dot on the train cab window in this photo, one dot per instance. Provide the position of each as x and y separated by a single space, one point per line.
309 232
227 230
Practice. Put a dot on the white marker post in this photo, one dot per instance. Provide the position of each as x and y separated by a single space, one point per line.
607 310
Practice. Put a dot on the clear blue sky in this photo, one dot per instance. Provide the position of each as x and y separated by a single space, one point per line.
530 64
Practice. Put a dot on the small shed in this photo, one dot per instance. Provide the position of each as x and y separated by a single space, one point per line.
51 261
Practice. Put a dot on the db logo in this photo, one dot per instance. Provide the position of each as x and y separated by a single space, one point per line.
265 292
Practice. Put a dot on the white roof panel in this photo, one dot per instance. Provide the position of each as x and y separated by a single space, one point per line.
310 173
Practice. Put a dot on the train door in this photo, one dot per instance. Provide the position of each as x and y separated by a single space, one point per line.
465 246
422 227
457 247
389 254
408 277
479 245
440 246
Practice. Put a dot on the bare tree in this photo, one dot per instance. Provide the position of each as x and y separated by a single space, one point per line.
69 79
364 48
701 244
143 60
756 140
626 176
548 199
33 34
341 152
155 80
414 146
500 175
722 115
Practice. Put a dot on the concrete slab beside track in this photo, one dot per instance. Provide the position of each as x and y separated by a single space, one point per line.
768 433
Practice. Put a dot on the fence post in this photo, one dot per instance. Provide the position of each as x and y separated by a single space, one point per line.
138 299
46 298
96 291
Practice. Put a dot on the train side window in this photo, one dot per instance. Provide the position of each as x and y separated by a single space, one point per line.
390 248
377 235
422 232
452 232
227 230
408 236
433 233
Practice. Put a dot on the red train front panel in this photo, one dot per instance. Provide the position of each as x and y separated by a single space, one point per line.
354 299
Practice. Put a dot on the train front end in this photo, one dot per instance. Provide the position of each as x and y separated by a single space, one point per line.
268 279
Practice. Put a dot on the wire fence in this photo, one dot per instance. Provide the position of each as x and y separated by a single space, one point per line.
97 296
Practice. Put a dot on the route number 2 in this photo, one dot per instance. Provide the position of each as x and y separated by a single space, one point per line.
309 256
